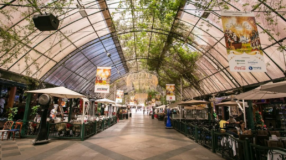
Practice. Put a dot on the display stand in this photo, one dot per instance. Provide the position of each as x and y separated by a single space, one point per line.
168 124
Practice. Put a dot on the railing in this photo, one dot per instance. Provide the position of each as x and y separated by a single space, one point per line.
88 129
267 153
31 129
64 130
205 137
191 131
227 145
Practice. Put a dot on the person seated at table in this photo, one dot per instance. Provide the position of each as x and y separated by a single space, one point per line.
231 120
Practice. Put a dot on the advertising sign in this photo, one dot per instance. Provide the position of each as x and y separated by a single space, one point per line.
119 96
102 80
170 92
242 42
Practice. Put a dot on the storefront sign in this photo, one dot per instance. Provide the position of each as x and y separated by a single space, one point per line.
170 92
102 80
119 96
242 42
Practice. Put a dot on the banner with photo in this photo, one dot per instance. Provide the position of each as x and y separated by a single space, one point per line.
170 92
102 80
158 99
119 96
242 42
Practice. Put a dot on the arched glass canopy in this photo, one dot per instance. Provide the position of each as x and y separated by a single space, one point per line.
69 56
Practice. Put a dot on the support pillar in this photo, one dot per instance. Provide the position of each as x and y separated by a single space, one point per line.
26 114
249 116
209 112
12 94
1 90
70 110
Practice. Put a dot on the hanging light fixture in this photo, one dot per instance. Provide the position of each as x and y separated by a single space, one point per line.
142 81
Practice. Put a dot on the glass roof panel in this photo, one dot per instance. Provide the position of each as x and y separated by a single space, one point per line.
73 52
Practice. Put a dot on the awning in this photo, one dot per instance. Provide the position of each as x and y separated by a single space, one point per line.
229 103
258 93
61 92
193 102
173 105
194 108
275 87
163 106
104 100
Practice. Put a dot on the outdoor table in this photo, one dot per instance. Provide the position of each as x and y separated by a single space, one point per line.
278 138
276 155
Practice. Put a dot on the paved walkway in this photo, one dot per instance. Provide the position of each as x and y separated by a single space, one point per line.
139 137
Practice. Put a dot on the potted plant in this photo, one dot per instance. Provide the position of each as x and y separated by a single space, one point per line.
35 110
12 112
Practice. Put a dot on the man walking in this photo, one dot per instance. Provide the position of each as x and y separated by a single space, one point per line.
2 103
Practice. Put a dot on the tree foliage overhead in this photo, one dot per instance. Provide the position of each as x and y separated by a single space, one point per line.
153 40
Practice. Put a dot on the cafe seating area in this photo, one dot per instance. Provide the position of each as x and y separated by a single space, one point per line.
259 145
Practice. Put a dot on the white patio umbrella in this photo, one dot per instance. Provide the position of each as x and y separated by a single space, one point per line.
258 93
275 87
106 101
229 103
173 105
61 92
163 106
193 102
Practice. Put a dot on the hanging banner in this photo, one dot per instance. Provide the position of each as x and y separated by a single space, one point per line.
132 100
170 92
158 99
242 42
102 80
119 96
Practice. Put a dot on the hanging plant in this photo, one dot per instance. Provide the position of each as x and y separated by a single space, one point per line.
35 110
16 39
12 112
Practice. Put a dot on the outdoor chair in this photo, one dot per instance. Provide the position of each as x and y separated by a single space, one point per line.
261 136
277 133
17 128
243 137
284 143
7 126
275 144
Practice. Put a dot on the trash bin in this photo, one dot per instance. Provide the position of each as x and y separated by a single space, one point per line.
127 116
130 115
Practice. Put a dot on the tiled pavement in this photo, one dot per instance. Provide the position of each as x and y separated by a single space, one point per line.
139 137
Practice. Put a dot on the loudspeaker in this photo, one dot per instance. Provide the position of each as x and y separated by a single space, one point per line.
46 22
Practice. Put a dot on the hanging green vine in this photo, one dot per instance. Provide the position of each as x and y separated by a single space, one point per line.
16 38
166 53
